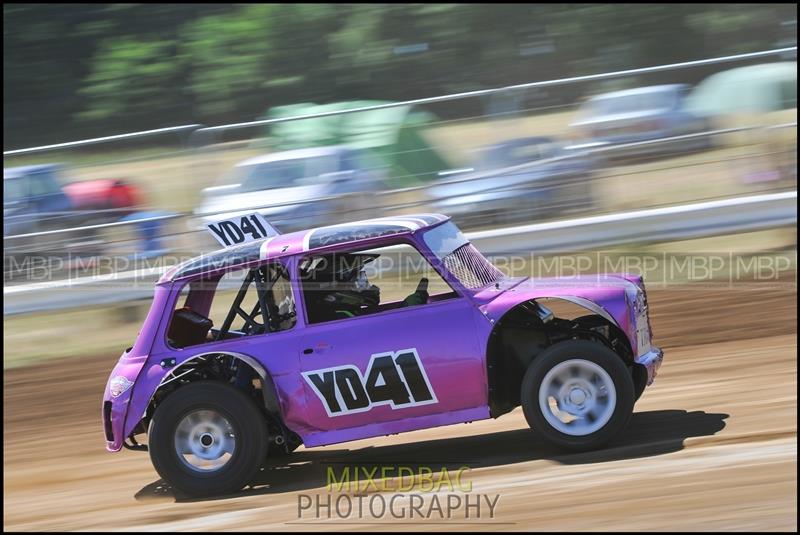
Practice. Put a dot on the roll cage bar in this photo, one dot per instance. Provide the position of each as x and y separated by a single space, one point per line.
265 278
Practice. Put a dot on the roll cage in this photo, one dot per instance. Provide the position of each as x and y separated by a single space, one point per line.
265 308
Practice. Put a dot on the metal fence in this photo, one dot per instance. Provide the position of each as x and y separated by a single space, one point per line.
693 220
734 156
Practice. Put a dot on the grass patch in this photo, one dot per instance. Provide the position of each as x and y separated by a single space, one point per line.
34 338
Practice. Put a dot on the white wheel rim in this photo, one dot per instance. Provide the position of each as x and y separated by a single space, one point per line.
577 397
204 441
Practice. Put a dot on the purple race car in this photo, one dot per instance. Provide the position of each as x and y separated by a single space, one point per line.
365 329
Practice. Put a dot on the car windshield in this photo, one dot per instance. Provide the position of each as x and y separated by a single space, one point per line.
13 190
460 257
284 173
645 101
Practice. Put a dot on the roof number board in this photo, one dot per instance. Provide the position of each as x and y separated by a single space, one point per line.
241 229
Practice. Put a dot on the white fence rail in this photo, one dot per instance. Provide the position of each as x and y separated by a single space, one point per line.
473 177
693 220
757 212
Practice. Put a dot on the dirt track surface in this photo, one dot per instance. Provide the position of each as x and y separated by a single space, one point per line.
712 446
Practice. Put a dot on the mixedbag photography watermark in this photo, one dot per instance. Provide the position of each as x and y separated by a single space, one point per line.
398 493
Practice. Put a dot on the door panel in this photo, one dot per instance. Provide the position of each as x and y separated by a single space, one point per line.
402 363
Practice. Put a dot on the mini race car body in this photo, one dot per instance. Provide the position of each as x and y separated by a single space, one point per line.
320 359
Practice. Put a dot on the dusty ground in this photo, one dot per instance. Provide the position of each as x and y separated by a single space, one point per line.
712 446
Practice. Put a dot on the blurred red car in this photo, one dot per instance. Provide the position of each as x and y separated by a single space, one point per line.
101 194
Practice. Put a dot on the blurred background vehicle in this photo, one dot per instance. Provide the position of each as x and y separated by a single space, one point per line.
517 180
294 189
762 88
36 198
39 203
29 193
326 165
641 114
764 93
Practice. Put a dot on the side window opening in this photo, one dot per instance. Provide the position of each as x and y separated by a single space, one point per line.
460 257
242 303
187 327
359 283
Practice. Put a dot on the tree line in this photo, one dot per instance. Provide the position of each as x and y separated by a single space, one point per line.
79 70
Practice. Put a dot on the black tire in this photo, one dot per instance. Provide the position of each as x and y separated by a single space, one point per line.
249 427
589 351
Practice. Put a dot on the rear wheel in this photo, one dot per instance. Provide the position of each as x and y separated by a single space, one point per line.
577 395
207 438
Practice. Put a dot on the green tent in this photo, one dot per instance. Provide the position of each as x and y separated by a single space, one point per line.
760 88
395 135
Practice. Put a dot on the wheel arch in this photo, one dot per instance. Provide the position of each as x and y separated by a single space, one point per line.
269 395
527 329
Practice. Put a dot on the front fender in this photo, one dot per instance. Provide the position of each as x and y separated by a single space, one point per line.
609 296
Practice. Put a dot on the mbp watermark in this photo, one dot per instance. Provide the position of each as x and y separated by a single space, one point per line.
370 493
399 269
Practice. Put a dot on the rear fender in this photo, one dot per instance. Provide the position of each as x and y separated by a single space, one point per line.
154 377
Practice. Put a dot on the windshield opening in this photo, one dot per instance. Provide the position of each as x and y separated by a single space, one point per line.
283 173
13 190
649 101
460 257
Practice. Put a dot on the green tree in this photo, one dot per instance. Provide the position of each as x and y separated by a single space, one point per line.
129 80
84 69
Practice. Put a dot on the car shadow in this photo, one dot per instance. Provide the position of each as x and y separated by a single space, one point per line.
649 433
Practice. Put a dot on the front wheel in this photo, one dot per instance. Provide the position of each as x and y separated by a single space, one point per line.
577 395
207 438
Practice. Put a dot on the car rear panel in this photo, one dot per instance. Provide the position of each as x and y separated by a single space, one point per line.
116 398
122 380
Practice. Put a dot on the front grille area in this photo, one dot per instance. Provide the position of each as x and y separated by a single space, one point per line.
471 268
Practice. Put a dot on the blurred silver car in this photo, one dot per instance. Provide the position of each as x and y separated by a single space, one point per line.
515 181
641 114
295 189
